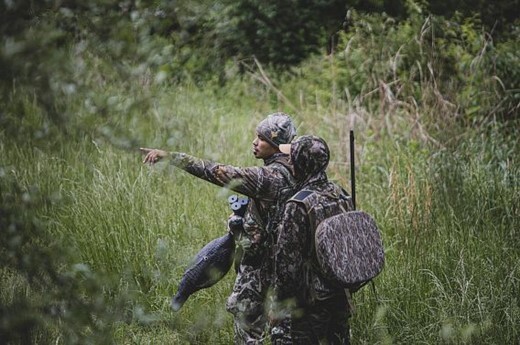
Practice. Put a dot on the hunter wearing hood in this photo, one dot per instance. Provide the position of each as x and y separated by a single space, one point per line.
307 307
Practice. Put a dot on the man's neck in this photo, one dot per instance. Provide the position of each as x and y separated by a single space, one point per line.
273 157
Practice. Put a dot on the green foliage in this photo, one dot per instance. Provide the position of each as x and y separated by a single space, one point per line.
507 62
450 219
44 296
390 67
280 33
498 18
85 84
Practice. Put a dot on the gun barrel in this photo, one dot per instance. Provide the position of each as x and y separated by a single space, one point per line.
352 169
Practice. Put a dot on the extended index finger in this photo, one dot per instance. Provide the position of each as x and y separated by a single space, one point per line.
144 150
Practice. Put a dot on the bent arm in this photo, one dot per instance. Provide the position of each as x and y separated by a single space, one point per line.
289 257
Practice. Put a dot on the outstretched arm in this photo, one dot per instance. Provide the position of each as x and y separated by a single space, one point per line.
254 182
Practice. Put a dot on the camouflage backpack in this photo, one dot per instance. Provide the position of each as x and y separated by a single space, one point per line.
347 243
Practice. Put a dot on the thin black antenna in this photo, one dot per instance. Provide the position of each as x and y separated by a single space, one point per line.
352 169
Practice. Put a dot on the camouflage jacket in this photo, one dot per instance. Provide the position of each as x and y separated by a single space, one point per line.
297 278
269 187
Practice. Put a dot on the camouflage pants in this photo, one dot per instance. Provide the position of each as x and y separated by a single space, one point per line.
246 303
325 322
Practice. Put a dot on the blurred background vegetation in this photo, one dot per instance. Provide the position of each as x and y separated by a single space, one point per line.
93 243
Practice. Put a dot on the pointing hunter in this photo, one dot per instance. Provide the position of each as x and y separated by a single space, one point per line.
268 187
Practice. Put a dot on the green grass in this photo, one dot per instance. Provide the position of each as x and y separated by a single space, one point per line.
445 201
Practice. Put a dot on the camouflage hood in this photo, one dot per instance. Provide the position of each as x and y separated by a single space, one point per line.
310 156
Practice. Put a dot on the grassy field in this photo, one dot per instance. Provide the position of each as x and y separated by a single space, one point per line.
95 242
449 218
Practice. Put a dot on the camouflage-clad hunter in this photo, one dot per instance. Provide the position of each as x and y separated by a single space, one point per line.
307 307
269 187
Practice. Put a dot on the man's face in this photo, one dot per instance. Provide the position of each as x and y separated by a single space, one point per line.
262 149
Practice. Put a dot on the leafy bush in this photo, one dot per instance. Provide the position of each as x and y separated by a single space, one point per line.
85 84
45 297
426 62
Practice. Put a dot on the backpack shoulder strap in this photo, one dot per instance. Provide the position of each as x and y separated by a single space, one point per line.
306 198
301 195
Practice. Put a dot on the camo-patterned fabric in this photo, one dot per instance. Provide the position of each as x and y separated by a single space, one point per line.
268 187
277 128
324 322
308 307
349 247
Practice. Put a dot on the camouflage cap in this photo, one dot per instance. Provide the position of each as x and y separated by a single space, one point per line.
310 156
277 128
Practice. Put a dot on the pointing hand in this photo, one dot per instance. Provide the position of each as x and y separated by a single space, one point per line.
152 156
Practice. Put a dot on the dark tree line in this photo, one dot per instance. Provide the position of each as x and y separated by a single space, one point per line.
205 36
275 32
